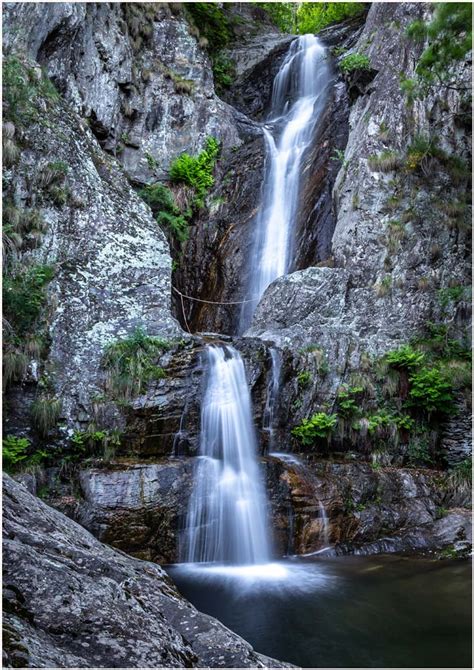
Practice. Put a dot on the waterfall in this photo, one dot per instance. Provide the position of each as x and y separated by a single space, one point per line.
298 100
272 397
226 514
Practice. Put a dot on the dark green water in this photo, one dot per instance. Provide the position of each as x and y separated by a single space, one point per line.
344 612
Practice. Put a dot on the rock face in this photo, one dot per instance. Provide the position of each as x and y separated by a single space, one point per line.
112 262
358 509
70 601
366 201
119 66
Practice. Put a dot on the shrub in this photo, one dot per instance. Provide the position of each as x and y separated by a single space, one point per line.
311 17
348 400
449 36
196 171
224 71
430 391
454 295
92 442
168 214
418 452
45 412
22 86
24 296
405 358
14 451
130 364
355 61
387 161
319 426
304 379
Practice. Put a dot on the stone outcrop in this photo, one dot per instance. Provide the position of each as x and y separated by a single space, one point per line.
120 67
71 601
381 291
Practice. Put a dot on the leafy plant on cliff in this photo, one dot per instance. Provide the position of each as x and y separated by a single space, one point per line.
168 214
354 61
405 358
14 451
17 454
23 87
319 426
348 400
430 391
130 364
197 171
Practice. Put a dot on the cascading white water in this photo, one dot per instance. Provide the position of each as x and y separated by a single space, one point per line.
226 514
298 100
272 397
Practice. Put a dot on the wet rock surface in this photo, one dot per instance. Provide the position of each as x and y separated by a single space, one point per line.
71 601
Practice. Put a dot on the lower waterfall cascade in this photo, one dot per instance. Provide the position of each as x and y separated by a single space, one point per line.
226 516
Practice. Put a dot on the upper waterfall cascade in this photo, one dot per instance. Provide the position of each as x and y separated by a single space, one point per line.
298 100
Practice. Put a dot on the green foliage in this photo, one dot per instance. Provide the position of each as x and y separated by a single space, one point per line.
319 426
92 442
418 452
212 23
453 295
45 412
168 214
130 364
355 61
449 36
348 400
197 171
312 17
17 454
14 451
430 391
22 88
404 358
224 71
24 296
440 345
304 379
283 14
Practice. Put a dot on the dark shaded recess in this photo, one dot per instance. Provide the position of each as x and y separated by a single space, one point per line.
251 93
214 264
316 217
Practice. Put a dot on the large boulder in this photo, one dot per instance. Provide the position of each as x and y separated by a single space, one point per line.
71 601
